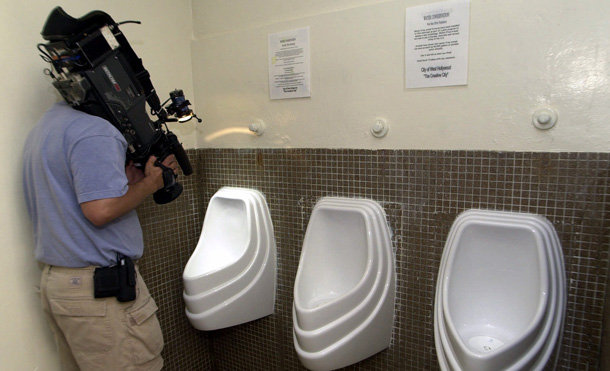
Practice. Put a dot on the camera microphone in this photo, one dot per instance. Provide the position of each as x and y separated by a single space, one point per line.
180 154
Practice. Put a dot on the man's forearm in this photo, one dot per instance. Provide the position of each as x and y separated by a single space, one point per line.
100 212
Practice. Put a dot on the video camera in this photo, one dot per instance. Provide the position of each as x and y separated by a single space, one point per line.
96 71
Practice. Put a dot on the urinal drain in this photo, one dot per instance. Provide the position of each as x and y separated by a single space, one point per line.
484 344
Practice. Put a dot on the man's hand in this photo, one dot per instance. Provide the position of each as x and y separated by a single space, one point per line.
171 162
155 173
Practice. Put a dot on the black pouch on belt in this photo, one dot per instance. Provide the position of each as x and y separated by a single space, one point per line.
127 279
118 280
105 282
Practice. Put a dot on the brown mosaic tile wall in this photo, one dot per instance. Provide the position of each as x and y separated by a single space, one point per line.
422 193
171 233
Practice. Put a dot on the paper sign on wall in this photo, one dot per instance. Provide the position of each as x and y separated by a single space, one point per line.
436 46
289 75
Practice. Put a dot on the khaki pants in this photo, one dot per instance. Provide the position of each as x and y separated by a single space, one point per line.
100 334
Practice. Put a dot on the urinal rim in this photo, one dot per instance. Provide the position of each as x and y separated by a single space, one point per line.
256 258
443 343
445 359
225 293
221 305
361 282
543 271
553 328
224 194
388 288
534 322
240 266
245 265
240 259
554 320
360 310
383 238
539 341
375 225
363 308
256 199
266 274
341 307
543 347
218 305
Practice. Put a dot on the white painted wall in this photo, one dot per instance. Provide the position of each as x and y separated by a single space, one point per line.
523 55
163 42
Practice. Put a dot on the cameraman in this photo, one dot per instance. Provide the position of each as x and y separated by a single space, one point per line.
81 197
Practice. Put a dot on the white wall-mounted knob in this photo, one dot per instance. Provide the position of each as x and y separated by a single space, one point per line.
544 118
379 128
257 127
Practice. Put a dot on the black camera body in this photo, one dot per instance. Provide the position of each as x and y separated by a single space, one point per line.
96 71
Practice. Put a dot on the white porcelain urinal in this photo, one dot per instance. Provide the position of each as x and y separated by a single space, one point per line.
500 296
345 286
230 278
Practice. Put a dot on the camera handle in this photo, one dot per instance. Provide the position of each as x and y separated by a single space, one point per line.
171 189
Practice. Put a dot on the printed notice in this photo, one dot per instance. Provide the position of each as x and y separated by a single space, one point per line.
289 75
436 46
